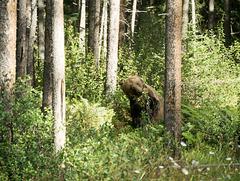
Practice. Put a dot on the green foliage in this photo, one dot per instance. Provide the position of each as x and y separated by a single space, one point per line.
211 124
103 155
149 49
210 91
210 72
30 153
82 77
97 150
88 115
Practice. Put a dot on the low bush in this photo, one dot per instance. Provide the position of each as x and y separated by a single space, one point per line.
30 154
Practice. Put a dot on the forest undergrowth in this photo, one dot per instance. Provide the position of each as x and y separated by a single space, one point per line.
102 146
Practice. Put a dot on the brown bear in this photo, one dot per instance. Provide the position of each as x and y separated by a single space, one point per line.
143 98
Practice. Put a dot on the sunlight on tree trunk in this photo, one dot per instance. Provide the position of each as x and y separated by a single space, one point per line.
58 74
134 11
103 20
193 24
105 32
112 58
82 26
8 27
185 20
32 31
193 17
172 99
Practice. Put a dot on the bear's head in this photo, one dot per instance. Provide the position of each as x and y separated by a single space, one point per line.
133 87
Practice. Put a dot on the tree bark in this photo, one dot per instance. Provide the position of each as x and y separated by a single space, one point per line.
8 26
32 31
134 12
185 18
82 25
47 73
172 99
94 27
193 17
58 74
112 58
103 19
227 22
21 52
211 15
122 25
41 36
105 32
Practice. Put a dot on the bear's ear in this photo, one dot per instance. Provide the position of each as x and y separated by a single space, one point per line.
133 74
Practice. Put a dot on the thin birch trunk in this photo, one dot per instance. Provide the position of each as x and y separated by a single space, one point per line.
103 19
185 18
82 26
105 32
134 11
58 74
32 31
112 58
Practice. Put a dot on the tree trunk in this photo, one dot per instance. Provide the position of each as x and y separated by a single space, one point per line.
193 24
211 15
75 11
8 26
185 18
134 12
94 27
122 20
21 52
172 99
193 17
82 25
32 31
58 74
105 32
103 19
112 58
227 22
47 73
41 42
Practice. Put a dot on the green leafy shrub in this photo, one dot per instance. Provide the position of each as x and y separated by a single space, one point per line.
88 114
104 155
211 124
29 155
82 77
210 72
210 92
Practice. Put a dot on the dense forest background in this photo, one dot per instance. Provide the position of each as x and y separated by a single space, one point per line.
100 144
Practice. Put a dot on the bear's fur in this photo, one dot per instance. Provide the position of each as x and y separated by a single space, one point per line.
142 98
